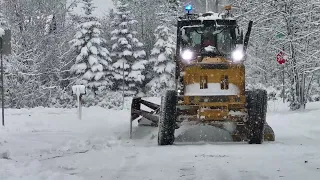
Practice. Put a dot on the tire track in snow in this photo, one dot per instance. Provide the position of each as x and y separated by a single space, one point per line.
188 172
126 168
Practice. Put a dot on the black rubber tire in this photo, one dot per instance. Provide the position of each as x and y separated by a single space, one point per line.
257 111
268 133
167 122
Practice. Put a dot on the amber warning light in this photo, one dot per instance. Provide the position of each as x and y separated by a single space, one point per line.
228 8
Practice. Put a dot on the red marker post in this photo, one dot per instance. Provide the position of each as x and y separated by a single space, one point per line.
282 59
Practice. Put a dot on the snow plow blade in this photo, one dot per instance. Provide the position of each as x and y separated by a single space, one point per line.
144 117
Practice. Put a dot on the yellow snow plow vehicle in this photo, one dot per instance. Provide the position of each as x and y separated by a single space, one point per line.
210 84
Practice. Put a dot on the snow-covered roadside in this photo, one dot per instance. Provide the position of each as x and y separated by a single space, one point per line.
53 144
36 135
50 127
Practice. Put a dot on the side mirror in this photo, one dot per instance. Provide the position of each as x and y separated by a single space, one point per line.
240 37
247 37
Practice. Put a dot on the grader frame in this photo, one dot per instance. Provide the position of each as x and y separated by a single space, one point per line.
210 87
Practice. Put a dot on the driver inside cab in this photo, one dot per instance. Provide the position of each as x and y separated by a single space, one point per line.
208 39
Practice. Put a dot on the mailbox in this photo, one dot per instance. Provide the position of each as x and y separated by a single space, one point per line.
79 90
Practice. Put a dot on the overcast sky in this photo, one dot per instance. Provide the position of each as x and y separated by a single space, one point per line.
102 7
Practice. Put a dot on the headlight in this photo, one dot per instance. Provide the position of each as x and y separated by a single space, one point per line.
187 55
237 55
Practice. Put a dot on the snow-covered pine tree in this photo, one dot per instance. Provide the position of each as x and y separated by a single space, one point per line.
127 52
175 9
93 63
161 58
3 24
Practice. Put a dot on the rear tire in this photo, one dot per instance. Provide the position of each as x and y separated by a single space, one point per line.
257 111
167 122
268 133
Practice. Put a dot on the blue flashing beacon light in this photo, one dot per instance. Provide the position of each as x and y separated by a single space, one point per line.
188 8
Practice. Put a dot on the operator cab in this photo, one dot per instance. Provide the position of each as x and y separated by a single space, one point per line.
209 35
209 44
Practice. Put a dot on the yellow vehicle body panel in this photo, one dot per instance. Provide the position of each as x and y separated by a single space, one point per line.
214 107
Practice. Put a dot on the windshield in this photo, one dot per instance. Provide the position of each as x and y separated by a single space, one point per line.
191 38
225 41
208 39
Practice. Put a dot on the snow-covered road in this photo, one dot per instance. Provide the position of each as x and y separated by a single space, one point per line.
52 144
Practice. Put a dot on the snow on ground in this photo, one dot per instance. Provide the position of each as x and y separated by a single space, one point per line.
52 144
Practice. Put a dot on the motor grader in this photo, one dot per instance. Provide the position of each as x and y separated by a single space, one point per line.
210 83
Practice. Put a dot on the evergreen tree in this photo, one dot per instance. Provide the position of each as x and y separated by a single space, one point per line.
162 59
175 9
93 63
3 24
127 52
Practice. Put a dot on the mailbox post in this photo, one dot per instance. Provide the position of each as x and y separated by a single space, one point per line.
79 91
5 49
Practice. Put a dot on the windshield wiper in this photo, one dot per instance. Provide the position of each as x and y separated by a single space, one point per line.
219 31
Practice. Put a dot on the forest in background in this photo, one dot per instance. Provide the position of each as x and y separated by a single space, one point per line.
54 48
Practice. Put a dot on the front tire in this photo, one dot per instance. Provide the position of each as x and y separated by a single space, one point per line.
167 122
257 111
